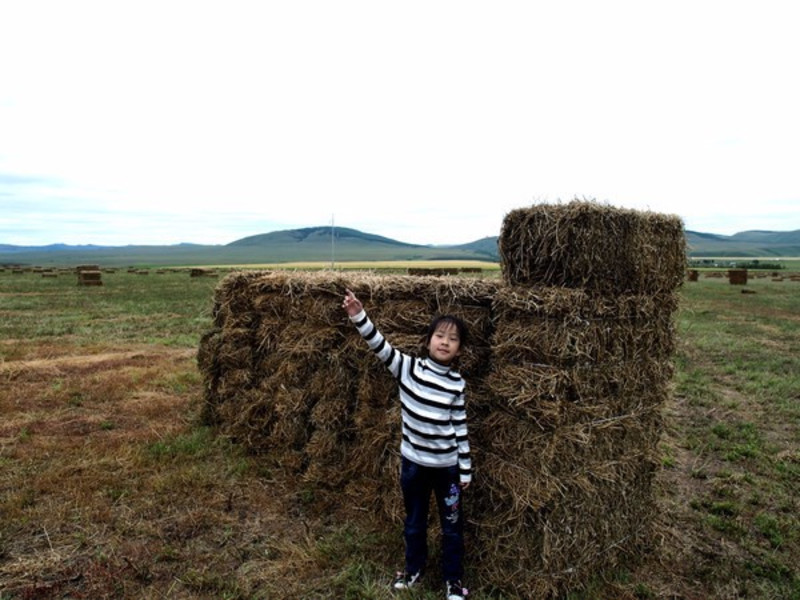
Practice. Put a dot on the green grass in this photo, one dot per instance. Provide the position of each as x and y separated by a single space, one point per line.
739 375
170 310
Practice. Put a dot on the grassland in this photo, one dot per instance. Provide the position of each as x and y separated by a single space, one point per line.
398 266
110 487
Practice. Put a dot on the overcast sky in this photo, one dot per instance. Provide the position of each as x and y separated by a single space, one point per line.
158 122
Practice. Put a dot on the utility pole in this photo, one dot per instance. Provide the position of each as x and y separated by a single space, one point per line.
333 243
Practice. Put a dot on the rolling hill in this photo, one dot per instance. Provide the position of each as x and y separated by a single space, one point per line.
756 244
296 245
315 244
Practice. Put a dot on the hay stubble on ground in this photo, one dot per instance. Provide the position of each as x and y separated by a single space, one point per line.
110 490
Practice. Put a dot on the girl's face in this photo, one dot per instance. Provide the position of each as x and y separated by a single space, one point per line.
445 344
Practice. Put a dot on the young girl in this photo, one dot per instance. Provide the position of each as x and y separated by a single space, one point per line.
435 450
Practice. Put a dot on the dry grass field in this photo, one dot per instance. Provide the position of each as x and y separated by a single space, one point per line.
110 486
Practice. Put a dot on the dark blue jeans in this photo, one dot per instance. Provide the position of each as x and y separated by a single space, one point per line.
418 482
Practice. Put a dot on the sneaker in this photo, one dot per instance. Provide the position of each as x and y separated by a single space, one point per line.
405 581
455 591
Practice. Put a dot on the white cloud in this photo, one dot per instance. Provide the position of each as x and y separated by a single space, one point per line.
421 121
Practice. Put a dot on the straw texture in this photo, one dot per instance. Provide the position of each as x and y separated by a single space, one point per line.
568 368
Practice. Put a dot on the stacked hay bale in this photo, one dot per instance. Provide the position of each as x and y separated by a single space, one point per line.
89 275
287 373
567 371
594 247
581 367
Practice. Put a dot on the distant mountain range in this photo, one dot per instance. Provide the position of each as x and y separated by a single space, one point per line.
756 244
315 244
311 244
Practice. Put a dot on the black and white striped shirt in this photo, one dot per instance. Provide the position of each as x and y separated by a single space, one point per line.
431 401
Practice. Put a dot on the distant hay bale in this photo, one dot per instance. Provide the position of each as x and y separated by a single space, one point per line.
80 268
583 244
431 272
199 272
566 384
692 274
737 276
88 277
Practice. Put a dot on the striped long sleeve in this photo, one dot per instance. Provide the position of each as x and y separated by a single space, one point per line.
432 403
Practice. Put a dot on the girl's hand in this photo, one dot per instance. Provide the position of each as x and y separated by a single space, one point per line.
351 304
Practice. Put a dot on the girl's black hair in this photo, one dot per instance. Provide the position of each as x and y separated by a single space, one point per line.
460 326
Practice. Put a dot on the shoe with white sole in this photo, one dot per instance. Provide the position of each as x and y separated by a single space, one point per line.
455 591
405 581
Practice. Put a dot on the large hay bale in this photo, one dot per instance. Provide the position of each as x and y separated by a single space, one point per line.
565 389
287 373
737 276
285 329
583 244
88 277
571 419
